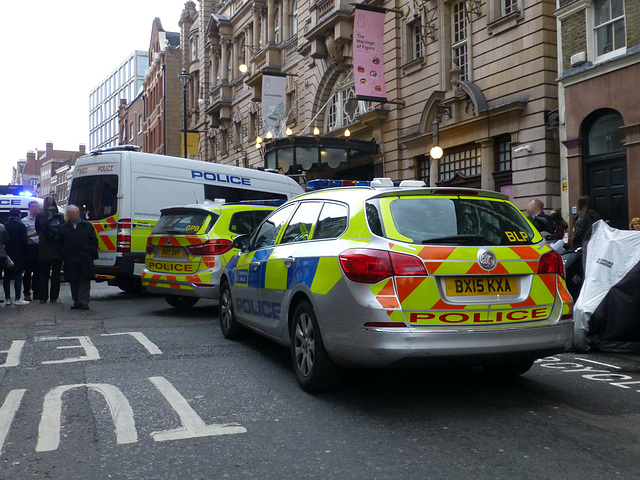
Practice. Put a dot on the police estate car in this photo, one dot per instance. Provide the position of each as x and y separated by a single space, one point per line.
190 245
381 275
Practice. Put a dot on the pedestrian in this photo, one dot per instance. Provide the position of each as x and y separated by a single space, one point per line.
561 226
17 251
48 223
31 276
4 240
635 223
586 217
540 220
79 247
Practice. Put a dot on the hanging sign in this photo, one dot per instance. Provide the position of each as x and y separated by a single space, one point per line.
368 67
274 88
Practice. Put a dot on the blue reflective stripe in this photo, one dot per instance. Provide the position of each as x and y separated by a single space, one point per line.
303 270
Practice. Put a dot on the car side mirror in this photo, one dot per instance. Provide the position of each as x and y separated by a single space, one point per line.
241 242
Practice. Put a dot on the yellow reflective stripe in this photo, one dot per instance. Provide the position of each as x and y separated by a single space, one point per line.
327 275
275 276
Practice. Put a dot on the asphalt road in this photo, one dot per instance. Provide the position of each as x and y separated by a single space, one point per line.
133 389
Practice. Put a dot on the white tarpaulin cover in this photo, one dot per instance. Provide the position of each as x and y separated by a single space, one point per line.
607 312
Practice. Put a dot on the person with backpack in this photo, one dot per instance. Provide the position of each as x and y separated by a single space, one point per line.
17 251
48 223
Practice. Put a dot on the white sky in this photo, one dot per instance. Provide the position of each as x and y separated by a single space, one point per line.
54 53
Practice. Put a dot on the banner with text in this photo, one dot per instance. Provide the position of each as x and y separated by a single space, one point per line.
368 67
274 87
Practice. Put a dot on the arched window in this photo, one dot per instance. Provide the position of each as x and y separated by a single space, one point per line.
604 134
343 108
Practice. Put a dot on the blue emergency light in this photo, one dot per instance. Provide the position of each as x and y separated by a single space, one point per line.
325 183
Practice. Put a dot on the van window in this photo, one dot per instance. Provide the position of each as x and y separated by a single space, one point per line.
267 233
243 223
183 222
300 225
332 222
232 195
95 195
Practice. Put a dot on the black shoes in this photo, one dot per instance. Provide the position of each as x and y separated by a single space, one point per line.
79 307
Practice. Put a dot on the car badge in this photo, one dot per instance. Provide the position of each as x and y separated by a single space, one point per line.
487 259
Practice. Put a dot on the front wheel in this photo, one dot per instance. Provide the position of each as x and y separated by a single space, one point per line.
314 369
510 370
182 303
230 327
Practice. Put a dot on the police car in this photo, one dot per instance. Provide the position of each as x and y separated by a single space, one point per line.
190 245
379 276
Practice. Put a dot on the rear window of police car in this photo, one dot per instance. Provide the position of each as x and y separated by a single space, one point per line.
448 221
183 222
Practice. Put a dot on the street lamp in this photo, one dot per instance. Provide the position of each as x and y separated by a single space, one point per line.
184 79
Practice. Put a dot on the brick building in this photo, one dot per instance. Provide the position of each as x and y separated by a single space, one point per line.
490 65
49 161
131 120
599 68
27 172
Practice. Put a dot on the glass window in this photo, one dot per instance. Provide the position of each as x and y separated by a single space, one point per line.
343 108
459 38
503 153
276 23
268 232
416 40
605 135
508 6
243 223
332 221
424 168
466 162
96 195
300 225
609 26
294 17
183 222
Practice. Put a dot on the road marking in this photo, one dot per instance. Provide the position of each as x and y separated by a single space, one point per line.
597 363
85 343
142 339
8 412
192 425
119 407
13 354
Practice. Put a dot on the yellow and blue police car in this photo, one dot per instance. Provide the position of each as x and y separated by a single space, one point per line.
380 276
190 245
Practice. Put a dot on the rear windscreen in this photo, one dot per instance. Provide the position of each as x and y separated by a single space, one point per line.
451 221
184 222
96 196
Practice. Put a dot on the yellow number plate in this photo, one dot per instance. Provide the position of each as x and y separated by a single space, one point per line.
489 285
170 252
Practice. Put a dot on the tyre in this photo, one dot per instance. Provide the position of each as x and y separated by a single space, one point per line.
510 370
230 327
182 303
314 369
132 286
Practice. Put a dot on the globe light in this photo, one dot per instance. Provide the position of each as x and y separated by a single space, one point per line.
347 133
243 68
436 152
316 131
269 135
289 132
258 140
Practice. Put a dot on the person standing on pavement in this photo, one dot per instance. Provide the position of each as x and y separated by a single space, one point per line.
31 275
17 251
79 247
586 217
48 223
4 240
538 218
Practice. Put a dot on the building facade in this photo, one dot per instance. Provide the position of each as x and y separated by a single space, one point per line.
599 68
131 120
27 173
104 101
486 71
49 162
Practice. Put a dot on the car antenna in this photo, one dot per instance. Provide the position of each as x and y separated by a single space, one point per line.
196 197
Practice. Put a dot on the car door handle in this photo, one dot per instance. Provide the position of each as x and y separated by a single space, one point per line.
288 261
254 265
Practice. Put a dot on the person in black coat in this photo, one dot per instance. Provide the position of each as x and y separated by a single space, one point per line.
17 250
540 220
49 261
79 247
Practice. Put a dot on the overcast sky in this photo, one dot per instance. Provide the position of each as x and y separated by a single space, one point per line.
55 53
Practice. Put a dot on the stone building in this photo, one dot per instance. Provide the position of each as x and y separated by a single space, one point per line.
27 172
599 68
485 71
163 93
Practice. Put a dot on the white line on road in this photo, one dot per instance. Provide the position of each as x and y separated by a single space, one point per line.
598 363
119 407
192 425
85 343
8 412
142 339
13 354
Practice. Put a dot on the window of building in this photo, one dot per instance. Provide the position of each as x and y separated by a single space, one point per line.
459 38
508 6
294 17
343 108
131 131
424 168
609 27
414 33
194 49
276 24
503 153
465 161
605 135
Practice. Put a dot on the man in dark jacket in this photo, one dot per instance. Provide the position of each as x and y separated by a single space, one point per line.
540 220
17 251
79 247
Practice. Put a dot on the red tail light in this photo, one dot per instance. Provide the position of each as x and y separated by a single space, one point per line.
123 236
211 247
371 266
149 245
551 262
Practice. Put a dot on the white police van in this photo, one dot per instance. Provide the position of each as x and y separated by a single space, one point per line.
121 191
7 202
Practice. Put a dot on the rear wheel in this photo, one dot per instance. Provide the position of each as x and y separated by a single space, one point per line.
130 285
183 303
230 327
510 370
314 369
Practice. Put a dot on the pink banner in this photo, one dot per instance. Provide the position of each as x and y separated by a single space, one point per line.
368 66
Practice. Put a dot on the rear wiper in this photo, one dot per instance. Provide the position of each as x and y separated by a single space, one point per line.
173 232
454 238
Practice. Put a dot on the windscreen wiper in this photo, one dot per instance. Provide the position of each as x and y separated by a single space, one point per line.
455 238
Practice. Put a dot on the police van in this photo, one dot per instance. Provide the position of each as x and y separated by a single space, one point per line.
7 202
121 191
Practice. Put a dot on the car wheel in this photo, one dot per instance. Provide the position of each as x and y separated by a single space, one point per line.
314 369
510 370
230 327
183 303
132 286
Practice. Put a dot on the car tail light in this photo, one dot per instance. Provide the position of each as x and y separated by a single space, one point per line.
371 266
149 245
551 262
211 247
123 236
